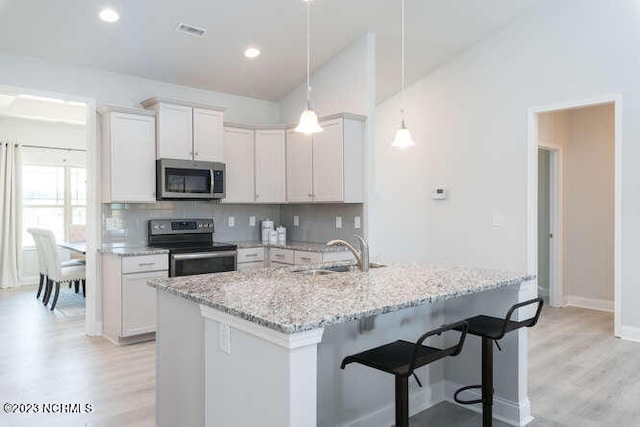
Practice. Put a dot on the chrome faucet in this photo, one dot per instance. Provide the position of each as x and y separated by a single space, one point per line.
362 255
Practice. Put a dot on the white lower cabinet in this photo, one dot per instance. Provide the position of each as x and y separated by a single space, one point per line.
250 259
288 257
129 304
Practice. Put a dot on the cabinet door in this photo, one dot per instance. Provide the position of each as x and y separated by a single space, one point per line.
139 303
175 132
327 163
133 168
270 166
299 167
239 159
207 135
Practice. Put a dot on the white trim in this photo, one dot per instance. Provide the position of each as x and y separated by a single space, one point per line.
289 341
532 187
590 303
512 413
93 325
556 250
630 333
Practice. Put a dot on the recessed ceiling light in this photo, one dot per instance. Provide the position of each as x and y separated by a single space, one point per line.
109 15
252 52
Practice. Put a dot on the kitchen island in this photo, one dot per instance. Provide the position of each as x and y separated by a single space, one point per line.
264 347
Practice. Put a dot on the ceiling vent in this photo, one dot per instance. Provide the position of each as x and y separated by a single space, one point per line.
191 30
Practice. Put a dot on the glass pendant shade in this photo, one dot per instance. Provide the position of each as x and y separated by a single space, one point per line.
403 138
308 122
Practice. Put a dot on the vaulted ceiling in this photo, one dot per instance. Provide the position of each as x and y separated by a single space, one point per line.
144 42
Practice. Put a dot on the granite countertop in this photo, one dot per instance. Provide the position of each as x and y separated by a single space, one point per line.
289 302
125 250
298 246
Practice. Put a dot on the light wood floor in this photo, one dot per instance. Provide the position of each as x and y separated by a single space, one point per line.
579 375
45 357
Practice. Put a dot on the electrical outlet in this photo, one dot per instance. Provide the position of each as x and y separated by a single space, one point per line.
111 224
497 221
338 222
252 221
357 223
232 221
225 338
296 221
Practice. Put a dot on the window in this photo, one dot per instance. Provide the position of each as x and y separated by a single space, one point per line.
53 197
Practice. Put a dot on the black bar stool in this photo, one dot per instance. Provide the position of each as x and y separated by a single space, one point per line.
492 329
401 358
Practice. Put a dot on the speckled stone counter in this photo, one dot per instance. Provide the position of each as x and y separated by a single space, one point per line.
287 301
132 250
298 246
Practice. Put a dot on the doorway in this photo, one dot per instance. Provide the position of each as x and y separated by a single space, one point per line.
574 201
58 140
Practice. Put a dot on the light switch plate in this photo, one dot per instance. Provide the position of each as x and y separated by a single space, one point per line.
225 338
232 221
296 221
357 223
252 221
338 222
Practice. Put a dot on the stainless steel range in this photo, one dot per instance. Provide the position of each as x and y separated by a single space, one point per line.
191 246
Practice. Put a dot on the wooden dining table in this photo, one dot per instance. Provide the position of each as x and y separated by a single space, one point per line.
80 247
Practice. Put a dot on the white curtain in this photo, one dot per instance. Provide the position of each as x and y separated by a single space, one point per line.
10 214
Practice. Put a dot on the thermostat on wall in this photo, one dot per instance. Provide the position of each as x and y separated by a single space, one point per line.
439 194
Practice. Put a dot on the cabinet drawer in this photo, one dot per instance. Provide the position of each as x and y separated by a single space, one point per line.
250 255
275 264
283 256
140 264
303 257
248 266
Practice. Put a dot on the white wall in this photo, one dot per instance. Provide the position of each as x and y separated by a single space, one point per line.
38 132
120 89
469 119
341 85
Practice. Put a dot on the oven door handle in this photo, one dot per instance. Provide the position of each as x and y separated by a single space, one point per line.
201 255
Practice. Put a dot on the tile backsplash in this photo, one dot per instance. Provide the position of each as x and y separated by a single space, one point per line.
127 223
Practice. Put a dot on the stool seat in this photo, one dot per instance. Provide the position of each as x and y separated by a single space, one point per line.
401 358
492 329
395 358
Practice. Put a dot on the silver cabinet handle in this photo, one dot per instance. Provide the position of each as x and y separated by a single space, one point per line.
310 195
145 264
305 258
197 153
251 255
278 256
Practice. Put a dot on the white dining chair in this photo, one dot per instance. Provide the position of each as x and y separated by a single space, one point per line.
56 272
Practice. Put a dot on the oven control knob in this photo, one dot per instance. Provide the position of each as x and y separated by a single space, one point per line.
162 227
155 227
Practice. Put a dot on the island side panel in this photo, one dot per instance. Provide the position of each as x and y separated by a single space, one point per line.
359 396
511 402
258 377
179 366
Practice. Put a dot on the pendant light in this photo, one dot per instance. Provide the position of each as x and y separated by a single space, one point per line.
403 136
308 119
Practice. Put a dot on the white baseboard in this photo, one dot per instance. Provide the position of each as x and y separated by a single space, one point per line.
419 400
590 303
507 411
630 333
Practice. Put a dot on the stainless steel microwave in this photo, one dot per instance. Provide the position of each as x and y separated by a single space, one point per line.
189 180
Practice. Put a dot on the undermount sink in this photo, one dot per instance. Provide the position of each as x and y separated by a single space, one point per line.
335 269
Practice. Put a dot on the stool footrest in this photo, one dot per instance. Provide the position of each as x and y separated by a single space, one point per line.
466 402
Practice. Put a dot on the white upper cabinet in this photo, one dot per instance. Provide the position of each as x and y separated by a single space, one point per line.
207 135
299 167
239 159
270 164
328 167
175 132
328 163
187 132
128 156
